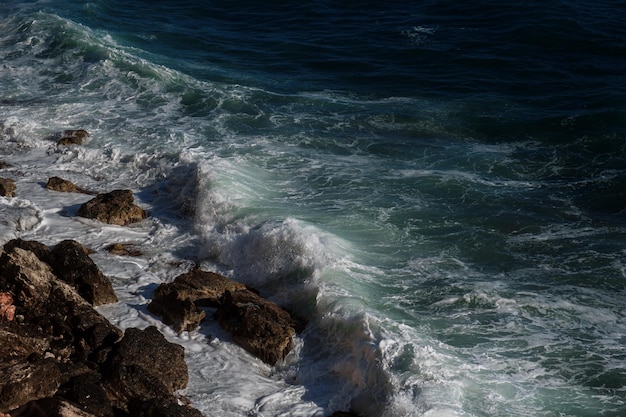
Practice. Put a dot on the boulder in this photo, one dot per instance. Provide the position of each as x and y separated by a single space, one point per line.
39 249
72 137
65 186
24 381
176 302
85 390
7 187
143 365
256 324
72 264
117 207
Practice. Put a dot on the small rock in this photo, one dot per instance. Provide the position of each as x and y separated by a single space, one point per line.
7 309
122 249
116 207
64 186
72 137
7 187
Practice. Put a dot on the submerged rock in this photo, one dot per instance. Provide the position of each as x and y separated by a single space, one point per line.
72 137
117 207
122 249
7 187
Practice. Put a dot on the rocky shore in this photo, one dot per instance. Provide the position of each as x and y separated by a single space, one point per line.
60 357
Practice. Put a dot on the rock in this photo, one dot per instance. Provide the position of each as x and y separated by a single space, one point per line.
122 249
7 187
4 165
16 344
72 137
176 302
21 382
71 263
256 324
162 408
116 207
85 390
7 309
28 279
39 249
65 186
51 407
144 365
150 350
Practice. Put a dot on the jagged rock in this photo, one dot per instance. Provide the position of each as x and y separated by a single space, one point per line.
7 309
15 343
51 407
71 263
63 359
28 278
72 137
176 302
144 365
258 325
21 382
116 207
39 249
122 249
85 390
65 186
150 350
7 187
162 408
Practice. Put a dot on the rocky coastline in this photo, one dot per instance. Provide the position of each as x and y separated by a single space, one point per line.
60 357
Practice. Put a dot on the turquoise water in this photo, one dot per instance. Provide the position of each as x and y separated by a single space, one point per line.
437 187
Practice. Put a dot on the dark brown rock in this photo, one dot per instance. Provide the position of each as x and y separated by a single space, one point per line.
116 207
122 249
24 381
72 137
150 350
85 391
176 302
7 187
144 366
65 186
162 408
4 165
256 324
39 249
72 264
51 407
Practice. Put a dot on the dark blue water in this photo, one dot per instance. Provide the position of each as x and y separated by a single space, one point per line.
438 186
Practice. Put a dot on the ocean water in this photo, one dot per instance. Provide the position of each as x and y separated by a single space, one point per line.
438 187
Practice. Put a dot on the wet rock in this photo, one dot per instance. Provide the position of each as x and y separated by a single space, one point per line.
85 390
122 249
72 264
4 165
65 186
72 137
258 325
21 382
162 408
176 302
144 366
7 187
117 207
